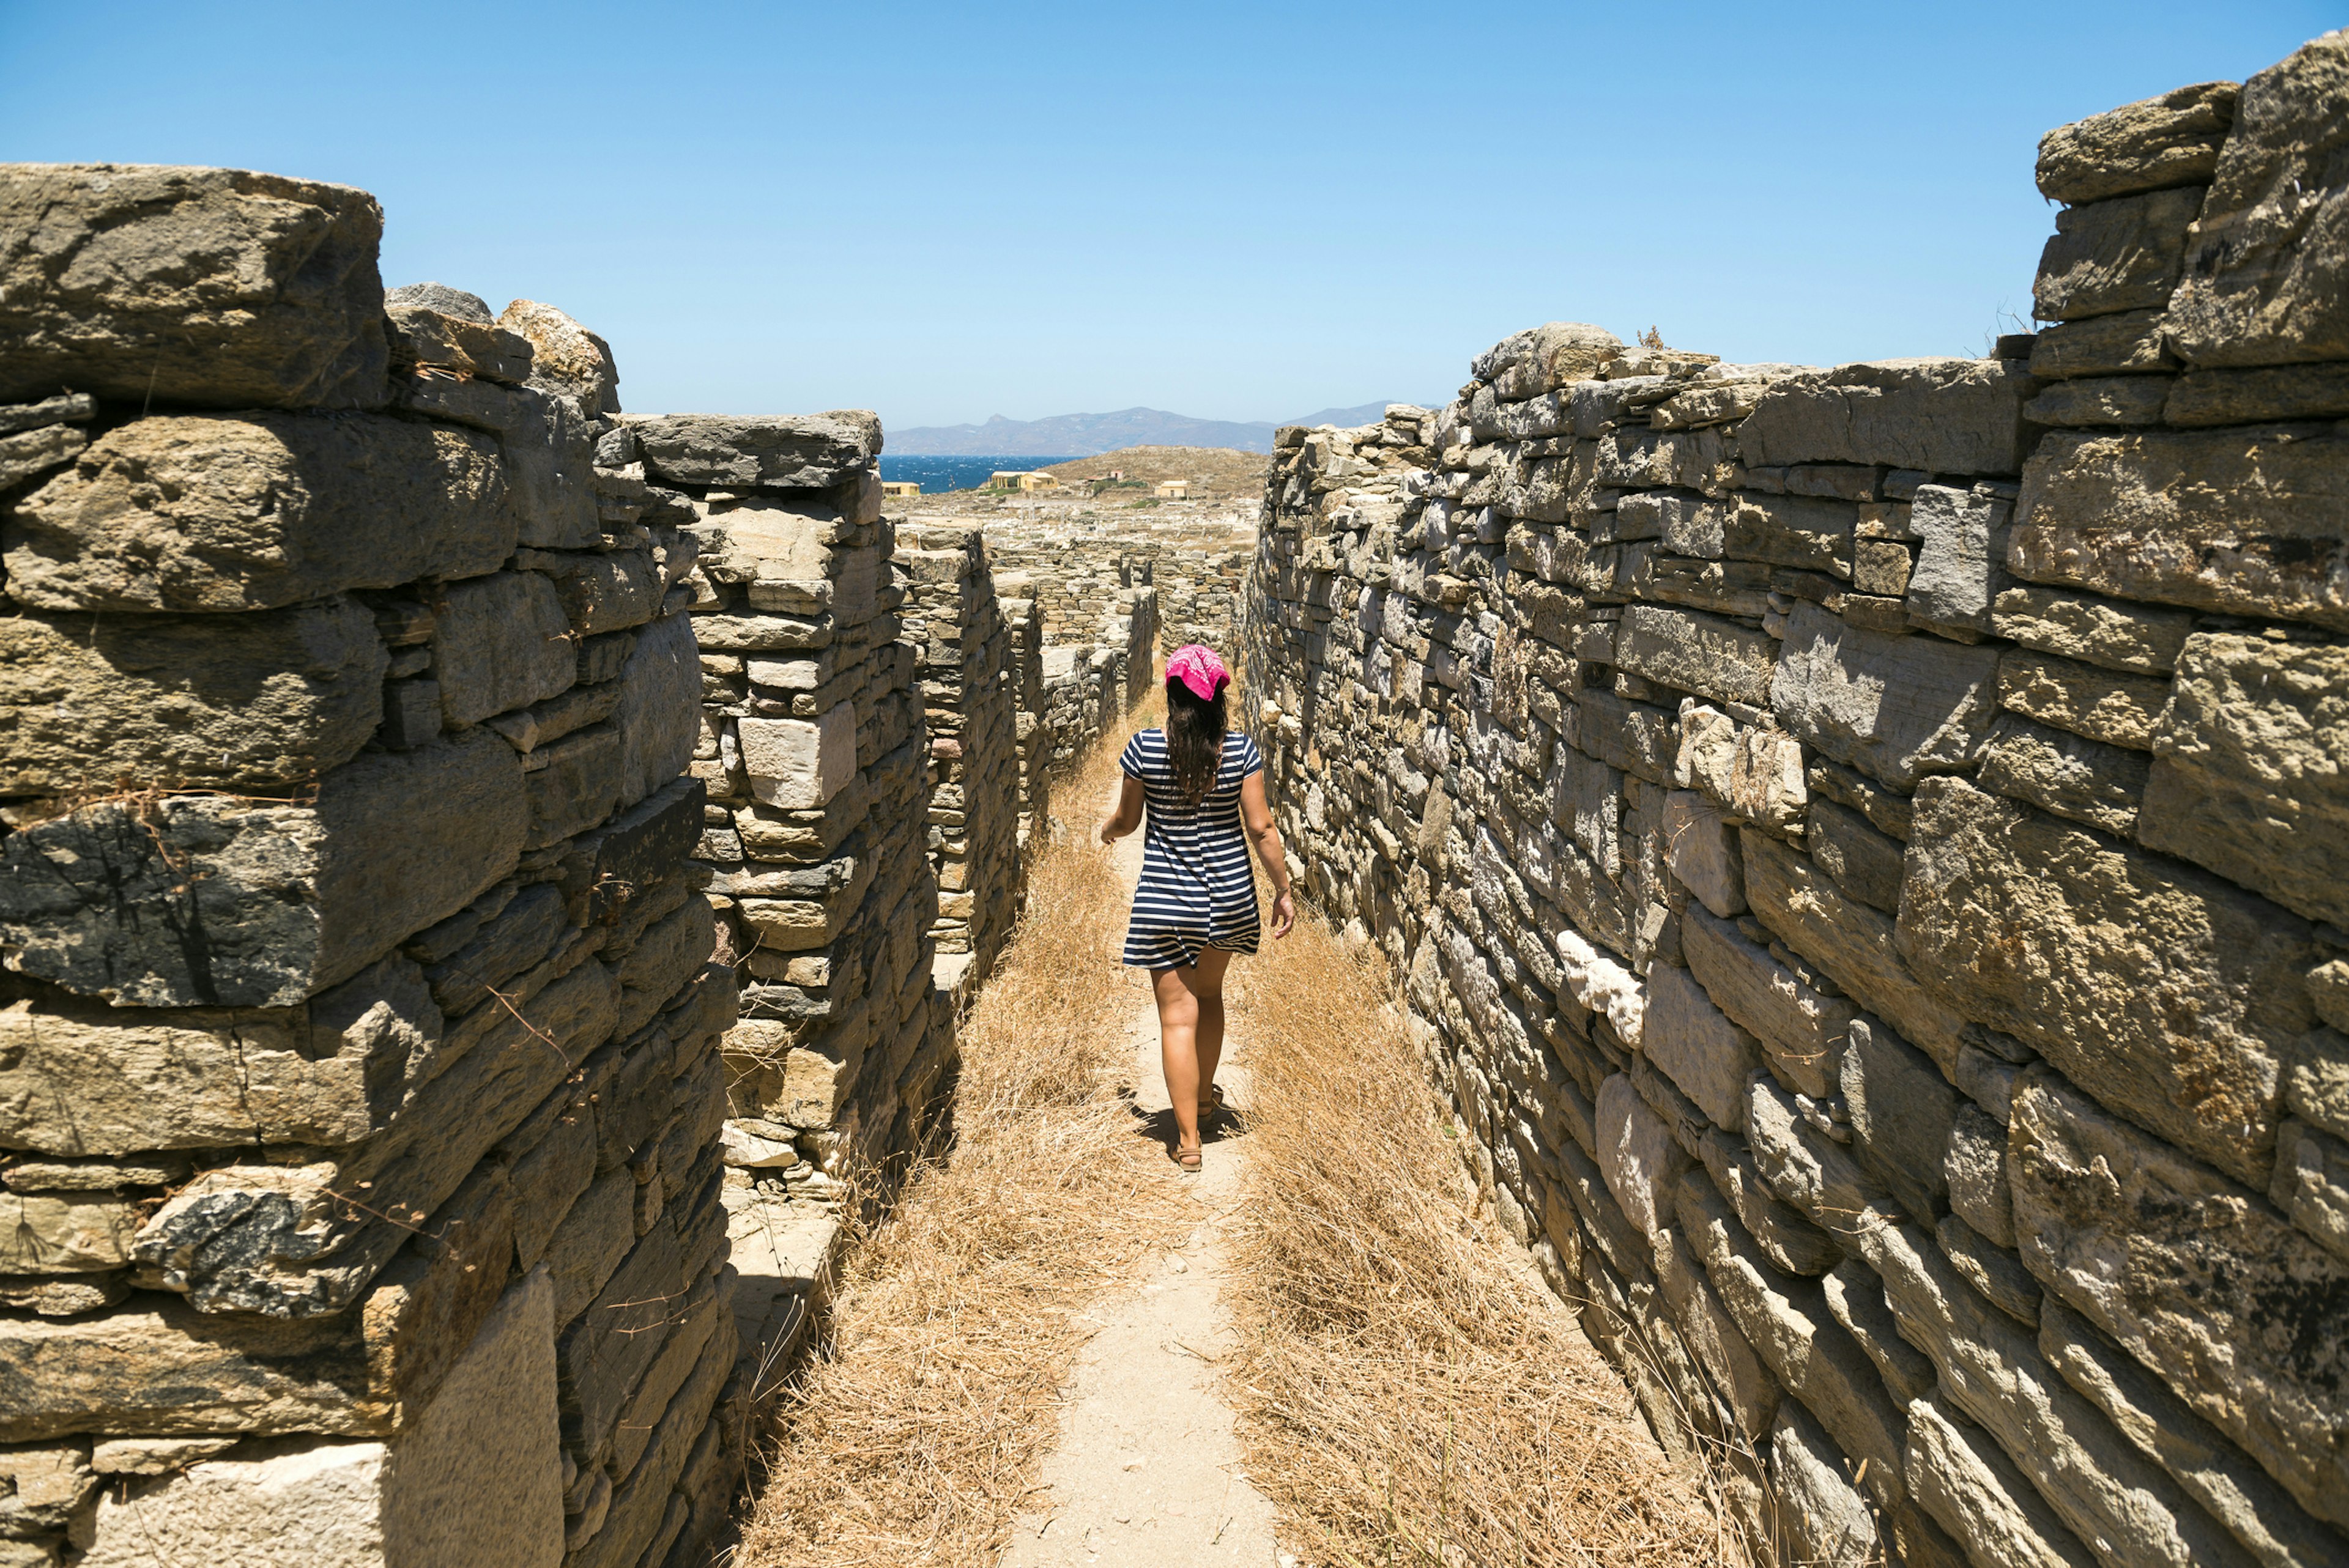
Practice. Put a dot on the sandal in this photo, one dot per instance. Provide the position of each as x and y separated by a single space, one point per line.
1187 1161
1212 1105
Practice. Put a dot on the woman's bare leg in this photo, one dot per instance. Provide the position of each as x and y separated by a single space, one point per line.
1190 1035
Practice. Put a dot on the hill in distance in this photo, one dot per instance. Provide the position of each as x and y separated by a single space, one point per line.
1089 435
1214 472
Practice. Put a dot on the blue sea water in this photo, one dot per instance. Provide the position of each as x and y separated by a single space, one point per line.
936 475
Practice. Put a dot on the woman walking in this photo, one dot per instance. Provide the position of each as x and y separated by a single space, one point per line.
1203 784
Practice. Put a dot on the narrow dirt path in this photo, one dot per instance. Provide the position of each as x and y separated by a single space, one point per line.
1147 1469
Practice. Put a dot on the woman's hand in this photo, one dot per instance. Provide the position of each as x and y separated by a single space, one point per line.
1284 914
1108 831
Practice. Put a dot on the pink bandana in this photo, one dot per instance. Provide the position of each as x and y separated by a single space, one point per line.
1197 667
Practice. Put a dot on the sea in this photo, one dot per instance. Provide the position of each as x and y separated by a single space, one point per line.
938 475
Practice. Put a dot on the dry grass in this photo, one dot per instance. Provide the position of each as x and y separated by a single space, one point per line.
1408 1394
916 1436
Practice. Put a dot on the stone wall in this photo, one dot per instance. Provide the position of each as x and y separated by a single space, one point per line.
1865 846
815 758
970 689
362 1106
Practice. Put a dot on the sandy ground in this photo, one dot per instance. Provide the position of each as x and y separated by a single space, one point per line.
1147 1470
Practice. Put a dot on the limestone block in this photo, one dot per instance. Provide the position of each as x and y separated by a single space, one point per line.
1694 651
2259 397
1856 945
2108 400
1827 1519
153 1456
217 287
2264 279
213 901
1790 530
573 784
28 454
65 1232
1697 1046
2189 1273
1959 1478
418 334
2250 770
1530 363
2312 1183
500 643
1942 416
1791 1243
2236 1493
657 715
2123 254
1854 1293
566 357
1767 785
1637 1155
1961 555
253 512
2067 774
1897 708
2103 704
2171 995
1902 1112
1857 858
1995 1273
1711 1335
2173 139
2246 522
799 764
2127 343
793 451
275 698
1702 849
1974 1170
602 591
549 457
2138 638
1801 1032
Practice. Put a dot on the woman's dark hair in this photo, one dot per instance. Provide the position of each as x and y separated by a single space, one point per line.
1195 739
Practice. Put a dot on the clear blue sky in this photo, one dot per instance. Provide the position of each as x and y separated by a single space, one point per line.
1236 211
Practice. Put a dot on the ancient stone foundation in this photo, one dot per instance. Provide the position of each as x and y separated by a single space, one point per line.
362 1093
1867 847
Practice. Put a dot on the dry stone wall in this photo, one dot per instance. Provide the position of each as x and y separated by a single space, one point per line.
970 688
1866 848
362 1095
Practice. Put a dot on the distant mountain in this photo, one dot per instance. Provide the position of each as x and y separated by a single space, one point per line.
1089 435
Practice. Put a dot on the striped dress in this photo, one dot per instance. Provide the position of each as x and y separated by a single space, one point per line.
1197 887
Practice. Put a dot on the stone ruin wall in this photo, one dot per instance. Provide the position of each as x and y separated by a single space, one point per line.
462 930
362 1098
1870 852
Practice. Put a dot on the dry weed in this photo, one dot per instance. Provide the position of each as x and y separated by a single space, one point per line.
1408 1394
916 1434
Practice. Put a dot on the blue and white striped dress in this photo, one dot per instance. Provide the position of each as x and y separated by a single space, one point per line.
1197 887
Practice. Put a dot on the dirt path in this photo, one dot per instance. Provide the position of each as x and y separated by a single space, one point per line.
1147 1470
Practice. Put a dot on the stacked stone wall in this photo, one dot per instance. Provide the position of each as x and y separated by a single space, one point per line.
362 1101
970 688
816 760
1866 848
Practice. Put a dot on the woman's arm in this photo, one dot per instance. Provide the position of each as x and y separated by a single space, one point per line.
1256 818
1128 815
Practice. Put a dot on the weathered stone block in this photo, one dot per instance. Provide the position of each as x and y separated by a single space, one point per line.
1800 1031
1961 555
2246 1318
793 451
253 511
2138 638
1827 1519
1974 1166
419 334
2117 254
2172 139
212 901
2248 522
2250 770
1898 707
2112 400
1958 1476
1637 1155
1690 651
1702 849
218 287
2259 397
275 698
2127 343
2117 709
658 711
2312 1183
500 643
1941 415
1803 531
1902 1112
1530 363
1863 863
2168 994
2266 282
799 764
565 359
80 1079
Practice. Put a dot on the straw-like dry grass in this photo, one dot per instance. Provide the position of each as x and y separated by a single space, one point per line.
1408 1396
915 1435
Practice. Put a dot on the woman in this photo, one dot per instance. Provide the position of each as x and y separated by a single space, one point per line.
1203 784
